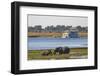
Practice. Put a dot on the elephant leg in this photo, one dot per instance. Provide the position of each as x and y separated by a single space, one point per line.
60 53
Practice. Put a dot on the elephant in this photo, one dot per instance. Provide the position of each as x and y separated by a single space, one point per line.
58 50
66 50
62 50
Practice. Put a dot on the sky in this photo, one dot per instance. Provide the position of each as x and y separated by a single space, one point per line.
48 20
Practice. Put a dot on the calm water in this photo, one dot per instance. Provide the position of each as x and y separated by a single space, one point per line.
50 43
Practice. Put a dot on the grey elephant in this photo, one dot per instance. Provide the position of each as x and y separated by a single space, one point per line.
62 50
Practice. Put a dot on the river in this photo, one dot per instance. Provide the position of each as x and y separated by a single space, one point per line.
40 43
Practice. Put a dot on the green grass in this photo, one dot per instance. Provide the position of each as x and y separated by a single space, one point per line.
75 53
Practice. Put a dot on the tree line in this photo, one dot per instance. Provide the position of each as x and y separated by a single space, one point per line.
58 28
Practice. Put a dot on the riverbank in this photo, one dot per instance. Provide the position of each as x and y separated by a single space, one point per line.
75 53
44 34
52 34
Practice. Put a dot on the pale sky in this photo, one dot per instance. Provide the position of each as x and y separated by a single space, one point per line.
47 20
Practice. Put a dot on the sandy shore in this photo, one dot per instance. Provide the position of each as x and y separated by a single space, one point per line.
52 34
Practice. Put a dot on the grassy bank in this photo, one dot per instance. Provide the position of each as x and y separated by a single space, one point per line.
52 34
75 53
44 34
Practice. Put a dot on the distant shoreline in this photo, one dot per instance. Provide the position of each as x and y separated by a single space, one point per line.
53 34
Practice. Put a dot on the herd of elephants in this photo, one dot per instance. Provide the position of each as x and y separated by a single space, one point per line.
58 50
